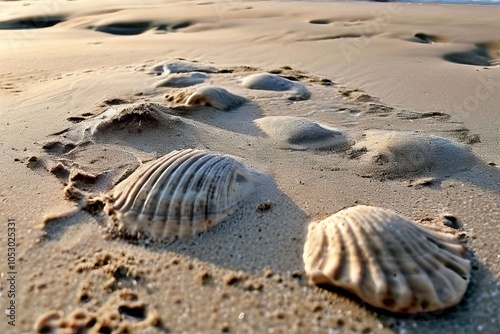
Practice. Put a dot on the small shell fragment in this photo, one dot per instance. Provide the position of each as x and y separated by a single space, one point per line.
387 260
180 194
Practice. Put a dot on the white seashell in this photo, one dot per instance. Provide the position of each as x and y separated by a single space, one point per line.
387 260
299 133
182 66
180 194
215 97
267 81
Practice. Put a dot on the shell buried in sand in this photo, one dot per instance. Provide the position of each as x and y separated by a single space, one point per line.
215 97
182 80
179 195
387 260
400 154
272 82
182 66
300 133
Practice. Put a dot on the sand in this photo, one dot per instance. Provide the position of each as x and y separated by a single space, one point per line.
90 92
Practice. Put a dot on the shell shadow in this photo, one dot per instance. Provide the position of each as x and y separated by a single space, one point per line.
268 232
476 309
55 226
240 120
484 54
481 175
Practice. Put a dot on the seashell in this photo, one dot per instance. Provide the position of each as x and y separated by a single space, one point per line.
299 133
180 194
267 81
387 260
215 97
182 66
402 154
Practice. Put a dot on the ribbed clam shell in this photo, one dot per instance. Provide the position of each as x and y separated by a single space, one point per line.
387 260
180 194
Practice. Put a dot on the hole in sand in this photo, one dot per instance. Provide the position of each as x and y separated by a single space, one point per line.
32 22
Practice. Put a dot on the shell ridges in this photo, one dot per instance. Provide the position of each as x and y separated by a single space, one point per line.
387 260
179 194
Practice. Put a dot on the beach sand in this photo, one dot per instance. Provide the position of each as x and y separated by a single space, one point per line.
384 104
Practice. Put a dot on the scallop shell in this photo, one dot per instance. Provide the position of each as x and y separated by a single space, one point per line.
180 194
387 260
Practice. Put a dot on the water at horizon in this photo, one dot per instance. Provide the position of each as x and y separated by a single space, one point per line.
459 2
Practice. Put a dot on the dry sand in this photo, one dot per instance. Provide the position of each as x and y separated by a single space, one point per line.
89 90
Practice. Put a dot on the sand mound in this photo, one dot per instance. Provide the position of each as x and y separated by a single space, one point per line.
182 80
182 66
131 119
300 133
266 81
404 154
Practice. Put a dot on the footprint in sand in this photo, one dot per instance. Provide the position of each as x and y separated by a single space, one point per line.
396 155
428 38
484 54
338 36
320 21
128 28
32 22
271 82
298 133
344 22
